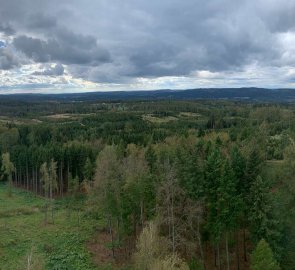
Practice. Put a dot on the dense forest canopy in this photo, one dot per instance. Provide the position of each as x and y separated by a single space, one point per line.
178 184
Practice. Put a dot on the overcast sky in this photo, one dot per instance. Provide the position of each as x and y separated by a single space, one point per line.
90 45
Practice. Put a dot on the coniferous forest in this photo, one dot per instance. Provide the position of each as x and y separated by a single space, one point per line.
147 185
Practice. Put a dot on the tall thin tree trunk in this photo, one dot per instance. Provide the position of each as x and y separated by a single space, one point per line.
112 235
173 225
215 257
61 179
218 256
36 181
51 199
141 213
226 248
118 228
244 244
33 180
46 210
200 242
29 260
16 176
27 173
134 226
237 250
20 177
68 174
40 184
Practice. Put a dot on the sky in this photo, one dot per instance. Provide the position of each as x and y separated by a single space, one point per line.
103 45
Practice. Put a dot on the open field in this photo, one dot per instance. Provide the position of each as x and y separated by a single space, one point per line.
24 235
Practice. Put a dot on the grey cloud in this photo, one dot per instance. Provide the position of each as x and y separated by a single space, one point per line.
105 42
57 70
6 29
41 21
173 38
7 59
32 47
66 47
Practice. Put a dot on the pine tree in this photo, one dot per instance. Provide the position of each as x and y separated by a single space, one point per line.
262 258
242 171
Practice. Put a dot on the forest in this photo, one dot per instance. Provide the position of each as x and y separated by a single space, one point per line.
147 185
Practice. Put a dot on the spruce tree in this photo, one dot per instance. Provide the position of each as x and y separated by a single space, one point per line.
213 174
229 204
262 258
260 210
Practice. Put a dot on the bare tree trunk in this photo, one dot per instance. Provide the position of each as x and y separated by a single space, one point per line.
112 236
134 226
27 174
16 176
141 212
29 265
118 228
244 244
36 181
237 250
218 256
61 180
40 184
200 242
68 174
226 248
46 210
173 225
33 180
51 200
169 223
215 257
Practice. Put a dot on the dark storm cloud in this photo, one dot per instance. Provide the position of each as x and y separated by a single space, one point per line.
175 38
57 70
6 29
105 41
66 47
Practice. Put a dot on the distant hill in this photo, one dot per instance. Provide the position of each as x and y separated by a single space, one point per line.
250 94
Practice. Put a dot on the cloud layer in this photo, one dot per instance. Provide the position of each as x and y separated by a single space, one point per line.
137 44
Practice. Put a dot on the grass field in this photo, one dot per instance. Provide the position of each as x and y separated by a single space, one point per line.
24 238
